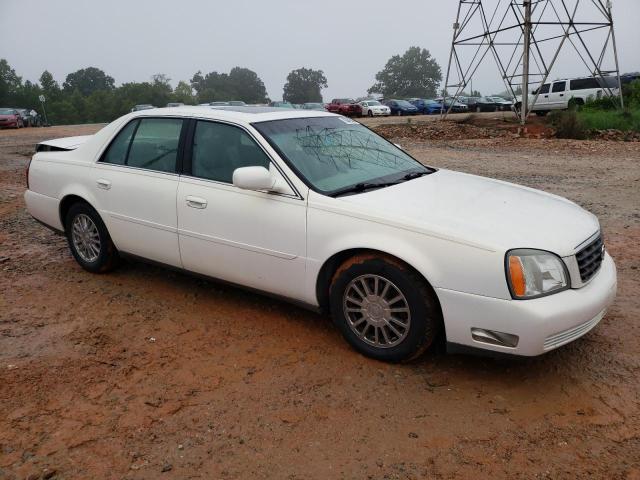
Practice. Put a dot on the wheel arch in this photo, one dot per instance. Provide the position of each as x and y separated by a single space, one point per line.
331 265
67 201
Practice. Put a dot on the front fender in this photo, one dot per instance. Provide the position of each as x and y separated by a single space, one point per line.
444 263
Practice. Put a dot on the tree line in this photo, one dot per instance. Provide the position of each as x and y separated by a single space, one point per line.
89 95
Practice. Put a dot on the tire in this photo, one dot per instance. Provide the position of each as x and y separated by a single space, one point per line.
541 113
370 113
84 220
415 329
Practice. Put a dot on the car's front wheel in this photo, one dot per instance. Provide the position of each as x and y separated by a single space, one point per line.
383 308
89 239
370 113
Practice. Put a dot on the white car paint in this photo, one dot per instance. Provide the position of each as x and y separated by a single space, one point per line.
453 228
374 108
556 95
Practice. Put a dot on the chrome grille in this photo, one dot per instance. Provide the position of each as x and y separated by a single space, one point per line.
590 258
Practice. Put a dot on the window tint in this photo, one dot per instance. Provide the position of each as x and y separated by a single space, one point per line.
558 87
545 88
584 83
218 149
117 152
155 145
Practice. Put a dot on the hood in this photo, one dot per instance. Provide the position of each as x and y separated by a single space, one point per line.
8 116
481 211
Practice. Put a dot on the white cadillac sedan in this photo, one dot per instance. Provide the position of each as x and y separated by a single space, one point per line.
373 108
316 208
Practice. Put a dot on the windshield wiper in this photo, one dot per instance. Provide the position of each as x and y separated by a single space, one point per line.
361 187
412 175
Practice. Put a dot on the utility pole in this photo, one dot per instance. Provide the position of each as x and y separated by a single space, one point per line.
526 29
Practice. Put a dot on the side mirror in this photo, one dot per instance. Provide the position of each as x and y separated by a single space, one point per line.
253 178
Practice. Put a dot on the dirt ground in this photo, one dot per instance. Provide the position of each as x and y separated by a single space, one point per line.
146 374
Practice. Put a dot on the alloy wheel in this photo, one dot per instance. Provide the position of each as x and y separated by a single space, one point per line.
85 237
376 311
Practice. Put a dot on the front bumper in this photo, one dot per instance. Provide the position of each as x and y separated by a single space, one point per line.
541 324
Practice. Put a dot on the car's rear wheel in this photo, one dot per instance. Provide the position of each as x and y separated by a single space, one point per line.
383 308
89 239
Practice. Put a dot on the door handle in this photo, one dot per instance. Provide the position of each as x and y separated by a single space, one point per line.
196 202
546 96
104 184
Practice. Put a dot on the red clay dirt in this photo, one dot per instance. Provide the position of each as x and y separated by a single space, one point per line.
147 374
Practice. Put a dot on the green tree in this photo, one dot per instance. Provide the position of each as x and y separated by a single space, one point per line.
248 86
10 84
183 93
88 80
304 85
414 74
49 86
239 84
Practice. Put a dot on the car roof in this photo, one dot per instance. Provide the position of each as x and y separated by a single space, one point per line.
246 114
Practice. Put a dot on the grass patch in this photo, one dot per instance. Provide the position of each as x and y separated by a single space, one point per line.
595 119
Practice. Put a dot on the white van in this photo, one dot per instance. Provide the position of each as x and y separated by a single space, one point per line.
558 94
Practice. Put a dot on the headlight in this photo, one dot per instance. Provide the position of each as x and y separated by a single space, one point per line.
535 273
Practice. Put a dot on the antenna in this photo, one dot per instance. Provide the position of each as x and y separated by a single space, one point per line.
525 38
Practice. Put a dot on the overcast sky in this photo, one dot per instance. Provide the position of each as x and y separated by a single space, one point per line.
349 39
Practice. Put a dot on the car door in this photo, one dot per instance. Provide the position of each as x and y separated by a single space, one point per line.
542 103
252 238
557 98
136 182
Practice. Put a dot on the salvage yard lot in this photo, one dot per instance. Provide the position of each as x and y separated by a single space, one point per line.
146 373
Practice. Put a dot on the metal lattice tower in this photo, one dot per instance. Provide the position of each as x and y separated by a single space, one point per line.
525 38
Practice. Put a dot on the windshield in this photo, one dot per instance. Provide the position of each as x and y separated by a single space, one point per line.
372 103
7 111
335 153
404 103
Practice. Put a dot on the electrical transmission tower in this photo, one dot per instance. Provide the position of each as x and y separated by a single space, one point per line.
525 39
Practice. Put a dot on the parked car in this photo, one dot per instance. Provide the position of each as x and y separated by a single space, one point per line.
560 94
502 103
345 106
25 115
456 107
314 106
426 106
396 251
237 103
10 117
175 104
144 106
373 108
479 104
281 105
218 104
401 107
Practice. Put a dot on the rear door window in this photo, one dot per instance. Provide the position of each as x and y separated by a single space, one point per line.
559 87
155 144
117 152
149 143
